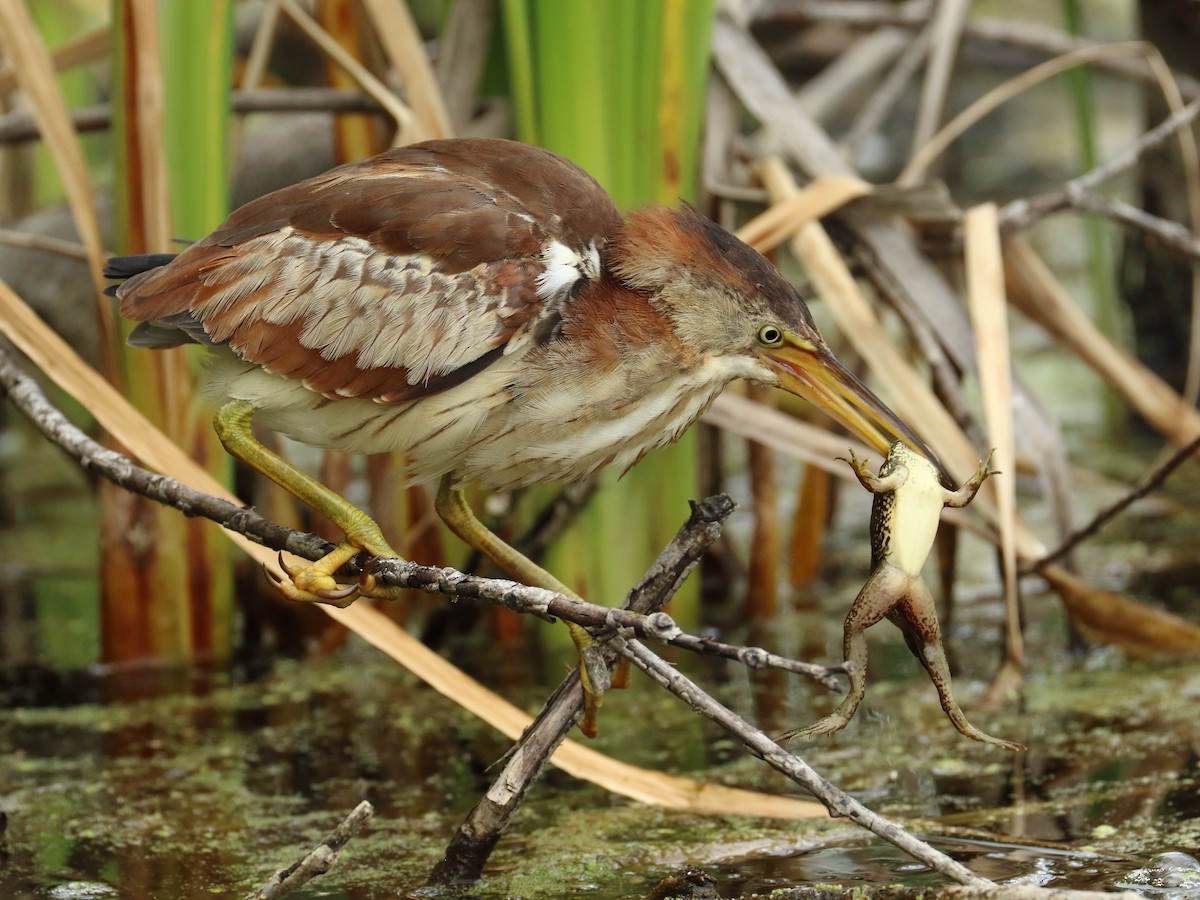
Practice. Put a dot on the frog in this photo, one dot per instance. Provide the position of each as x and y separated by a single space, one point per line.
909 495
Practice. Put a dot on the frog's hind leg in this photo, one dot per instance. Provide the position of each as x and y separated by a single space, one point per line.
916 616
873 602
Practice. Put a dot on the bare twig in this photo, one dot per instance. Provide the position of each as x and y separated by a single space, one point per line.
1170 235
835 800
945 31
317 861
28 397
1149 482
45 243
1021 213
882 103
483 827
19 126
1030 37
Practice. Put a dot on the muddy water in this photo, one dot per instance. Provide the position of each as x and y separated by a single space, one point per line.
188 784
181 783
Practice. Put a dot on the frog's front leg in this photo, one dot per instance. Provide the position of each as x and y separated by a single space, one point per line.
874 483
970 488
916 616
879 595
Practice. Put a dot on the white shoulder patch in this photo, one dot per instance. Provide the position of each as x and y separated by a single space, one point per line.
565 267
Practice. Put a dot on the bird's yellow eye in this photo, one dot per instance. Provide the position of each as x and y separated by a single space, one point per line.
770 335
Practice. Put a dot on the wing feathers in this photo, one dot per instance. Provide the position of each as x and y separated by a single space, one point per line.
391 277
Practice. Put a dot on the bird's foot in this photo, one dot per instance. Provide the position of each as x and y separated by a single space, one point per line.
594 677
314 583
620 675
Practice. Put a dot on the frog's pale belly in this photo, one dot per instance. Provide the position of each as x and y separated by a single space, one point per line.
904 520
915 509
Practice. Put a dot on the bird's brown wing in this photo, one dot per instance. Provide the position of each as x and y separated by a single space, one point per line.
393 277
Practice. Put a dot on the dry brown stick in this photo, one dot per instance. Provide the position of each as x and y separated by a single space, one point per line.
25 394
317 861
1149 482
838 802
17 127
483 827
1036 39
882 104
1021 213
945 31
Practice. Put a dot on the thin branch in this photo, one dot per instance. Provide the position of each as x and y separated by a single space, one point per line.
45 243
317 861
945 32
28 397
1042 40
883 102
838 802
19 126
483 827
1024 212
1171 236
1149 482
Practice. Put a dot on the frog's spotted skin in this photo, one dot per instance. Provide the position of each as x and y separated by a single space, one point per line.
904 518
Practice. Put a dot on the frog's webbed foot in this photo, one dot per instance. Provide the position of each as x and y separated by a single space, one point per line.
876 484
834 722
881 592
965 494
917 619
860 464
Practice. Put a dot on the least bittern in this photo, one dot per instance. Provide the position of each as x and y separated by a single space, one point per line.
482 307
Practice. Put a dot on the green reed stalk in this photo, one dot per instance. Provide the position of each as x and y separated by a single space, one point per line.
181 577
618 87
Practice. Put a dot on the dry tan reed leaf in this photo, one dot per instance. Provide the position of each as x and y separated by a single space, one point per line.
402 43
780 221
1035 290
62 365
921 160
34 73
1140 631
989 315
93 46
148 103
905 390
378 91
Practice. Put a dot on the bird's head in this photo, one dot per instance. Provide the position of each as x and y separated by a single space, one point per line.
728 303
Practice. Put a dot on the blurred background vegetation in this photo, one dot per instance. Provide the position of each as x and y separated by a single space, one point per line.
184 110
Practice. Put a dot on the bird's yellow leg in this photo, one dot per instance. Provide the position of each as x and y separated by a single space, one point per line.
454 510
314 582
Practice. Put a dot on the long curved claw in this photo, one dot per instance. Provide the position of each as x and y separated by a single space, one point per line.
313 583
